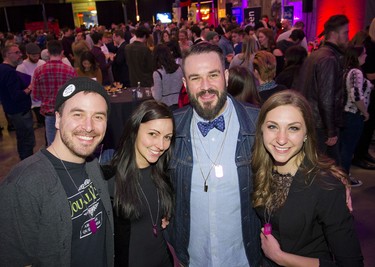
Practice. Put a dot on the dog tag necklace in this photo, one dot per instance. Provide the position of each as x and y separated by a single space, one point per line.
92 222
219 173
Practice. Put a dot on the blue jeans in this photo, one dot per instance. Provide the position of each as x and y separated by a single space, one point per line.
50 129
23 123
349 137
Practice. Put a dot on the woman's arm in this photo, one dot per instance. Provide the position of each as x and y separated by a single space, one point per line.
272 250
338 225
157 89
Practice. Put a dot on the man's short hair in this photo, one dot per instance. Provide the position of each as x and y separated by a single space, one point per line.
141 32
299 25
6 49
119 33
297 35
203 48
96 37
54 47
65 29
334 23
230 28
195 29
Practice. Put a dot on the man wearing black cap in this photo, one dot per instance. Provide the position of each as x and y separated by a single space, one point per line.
28 67
55 208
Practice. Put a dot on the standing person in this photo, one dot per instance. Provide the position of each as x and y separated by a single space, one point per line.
139 59
55 208
266 39
358 90
88 67
299 195
226 45
167 77
241 85
246 57
16 101
104 62
67 41
221 28
212 37
196 33
321 82
286 34
362 157
47 80
143 194
120 67
183 41
265 71
294 58
294 39
28 67
210 170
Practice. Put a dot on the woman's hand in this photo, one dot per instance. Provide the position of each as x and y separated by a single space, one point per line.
270 246
272 250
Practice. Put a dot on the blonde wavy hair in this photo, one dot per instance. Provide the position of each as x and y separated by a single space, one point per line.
262 162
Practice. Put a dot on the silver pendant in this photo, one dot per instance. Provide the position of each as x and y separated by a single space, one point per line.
219 171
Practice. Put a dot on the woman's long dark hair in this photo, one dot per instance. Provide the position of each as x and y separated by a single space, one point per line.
127 193
89 56
241 85
163 59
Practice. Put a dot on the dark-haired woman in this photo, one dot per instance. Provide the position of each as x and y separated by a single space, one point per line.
167 77
88 67
298 194
241 85
143 199
357 95
294 58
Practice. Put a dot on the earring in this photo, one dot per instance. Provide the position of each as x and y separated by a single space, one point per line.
304 139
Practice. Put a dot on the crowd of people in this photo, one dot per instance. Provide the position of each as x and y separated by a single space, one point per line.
255 171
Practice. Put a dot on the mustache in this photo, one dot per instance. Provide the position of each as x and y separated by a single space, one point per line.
210 91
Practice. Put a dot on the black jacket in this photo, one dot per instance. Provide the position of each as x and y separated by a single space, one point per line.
321 82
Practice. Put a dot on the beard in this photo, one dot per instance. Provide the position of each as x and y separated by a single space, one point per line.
208 111
81 151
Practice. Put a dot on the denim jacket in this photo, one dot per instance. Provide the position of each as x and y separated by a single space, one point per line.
181 167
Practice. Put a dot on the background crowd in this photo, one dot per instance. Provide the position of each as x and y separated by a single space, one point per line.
281 148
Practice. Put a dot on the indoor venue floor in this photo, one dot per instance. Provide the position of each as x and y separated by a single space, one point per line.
363 196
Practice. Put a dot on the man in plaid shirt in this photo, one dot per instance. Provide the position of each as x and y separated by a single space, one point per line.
47 80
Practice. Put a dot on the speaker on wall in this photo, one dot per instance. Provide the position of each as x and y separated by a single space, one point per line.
307 6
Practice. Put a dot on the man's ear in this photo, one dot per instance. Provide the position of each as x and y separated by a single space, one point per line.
58 118
226 76
184 82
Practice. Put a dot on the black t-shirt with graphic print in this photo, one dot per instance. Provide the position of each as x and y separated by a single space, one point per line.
88 249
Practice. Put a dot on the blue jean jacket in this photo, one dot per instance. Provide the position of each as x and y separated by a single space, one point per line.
181 167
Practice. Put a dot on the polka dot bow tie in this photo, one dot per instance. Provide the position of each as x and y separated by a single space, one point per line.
218 123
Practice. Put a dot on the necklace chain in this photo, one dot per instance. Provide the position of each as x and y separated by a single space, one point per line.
213 163
154 224
92 223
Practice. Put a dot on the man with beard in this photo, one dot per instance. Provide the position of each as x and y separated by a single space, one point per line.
55 208
321 82
214 223
16 101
